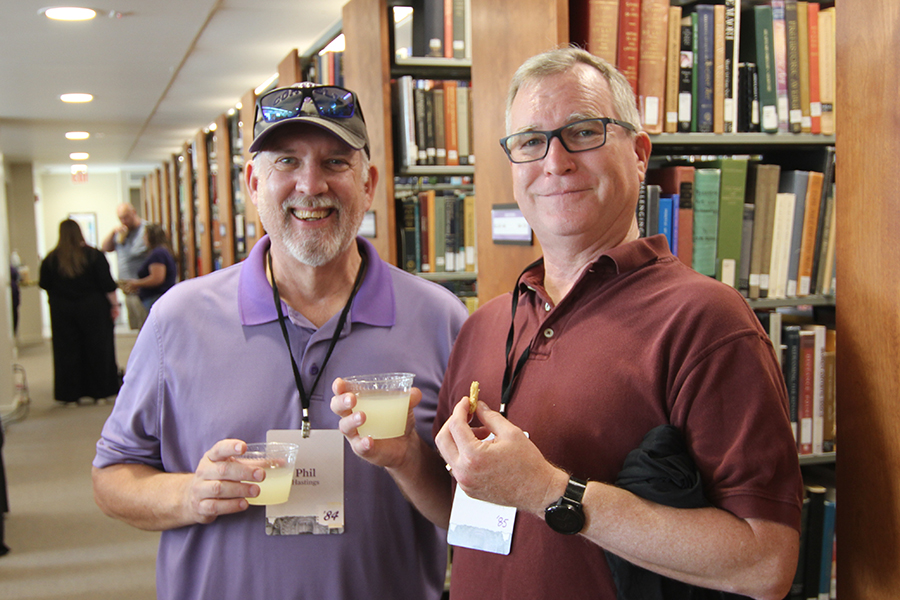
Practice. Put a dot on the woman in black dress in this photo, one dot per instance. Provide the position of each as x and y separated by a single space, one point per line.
83 310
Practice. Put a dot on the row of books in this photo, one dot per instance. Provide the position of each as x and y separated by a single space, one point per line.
815 577
439 28
327 68
434 124
807 355
437 231
721 67
763 229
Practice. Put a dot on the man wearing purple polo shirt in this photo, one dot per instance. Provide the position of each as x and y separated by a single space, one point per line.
228 358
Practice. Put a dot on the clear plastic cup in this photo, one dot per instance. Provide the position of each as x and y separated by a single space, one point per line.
277 458
384 398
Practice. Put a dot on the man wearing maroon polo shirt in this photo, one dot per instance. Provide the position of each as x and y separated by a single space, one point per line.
605 339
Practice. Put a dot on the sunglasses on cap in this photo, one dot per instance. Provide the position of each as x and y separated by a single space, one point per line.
331 102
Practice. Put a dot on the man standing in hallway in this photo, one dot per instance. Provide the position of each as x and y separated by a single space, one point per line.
246 352
127 241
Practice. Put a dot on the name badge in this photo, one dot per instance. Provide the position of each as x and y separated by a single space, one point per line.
316 503
480 525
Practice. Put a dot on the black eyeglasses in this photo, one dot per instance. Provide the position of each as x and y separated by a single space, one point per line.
331 102
579 136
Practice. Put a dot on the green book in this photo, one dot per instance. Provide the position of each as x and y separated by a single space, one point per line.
706 220
765 65
732 193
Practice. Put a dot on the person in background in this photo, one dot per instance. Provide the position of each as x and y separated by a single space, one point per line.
227 358
83 310
607 350
157 273
129 243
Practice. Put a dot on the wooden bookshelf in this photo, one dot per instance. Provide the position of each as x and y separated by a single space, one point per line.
187 235
224 196
868 264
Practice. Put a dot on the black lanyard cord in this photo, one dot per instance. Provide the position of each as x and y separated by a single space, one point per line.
510 374
304 399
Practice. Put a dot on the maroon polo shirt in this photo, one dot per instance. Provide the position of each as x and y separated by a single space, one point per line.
641 340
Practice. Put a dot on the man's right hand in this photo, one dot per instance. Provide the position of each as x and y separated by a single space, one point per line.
219 486
391 452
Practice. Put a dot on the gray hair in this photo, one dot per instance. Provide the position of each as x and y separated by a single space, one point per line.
560 60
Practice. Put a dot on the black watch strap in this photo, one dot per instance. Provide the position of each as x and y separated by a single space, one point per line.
575 490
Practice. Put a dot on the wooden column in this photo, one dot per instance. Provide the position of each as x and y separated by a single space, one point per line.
253 226
289 69
367 72
188 233
868 292
204 219
225 198
530 27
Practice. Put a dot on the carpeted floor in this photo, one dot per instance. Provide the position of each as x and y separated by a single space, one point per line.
62 546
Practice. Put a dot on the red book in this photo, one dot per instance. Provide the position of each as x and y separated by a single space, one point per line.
628 54
679 180
807 391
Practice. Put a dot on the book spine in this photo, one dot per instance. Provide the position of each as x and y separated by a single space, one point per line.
765 65
451 126
790 363
827 68
654 24
815 106
779 40
705 66
627 53
686 75
808 238
665 218
706 217
732 190
803 36
673 70
732 46
792 55
807 383
460 15
603 26
746 249
719 68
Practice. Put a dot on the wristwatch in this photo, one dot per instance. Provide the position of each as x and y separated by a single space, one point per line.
566 515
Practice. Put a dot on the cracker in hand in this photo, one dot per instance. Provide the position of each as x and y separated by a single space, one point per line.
473 397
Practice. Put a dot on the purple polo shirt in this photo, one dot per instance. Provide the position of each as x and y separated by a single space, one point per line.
640 340
211 363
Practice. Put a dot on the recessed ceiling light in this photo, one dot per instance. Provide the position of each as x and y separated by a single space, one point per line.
76 97
79 156
69 13
77 135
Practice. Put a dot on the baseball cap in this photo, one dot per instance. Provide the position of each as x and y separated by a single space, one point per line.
330 107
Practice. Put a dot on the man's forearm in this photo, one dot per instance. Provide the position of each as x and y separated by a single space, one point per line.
142 496
424 481
708 547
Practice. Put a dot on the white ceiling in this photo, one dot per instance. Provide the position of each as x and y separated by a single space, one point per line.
159 72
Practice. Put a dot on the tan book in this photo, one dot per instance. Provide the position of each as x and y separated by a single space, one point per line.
469 232
673 70
603 27
719 68
810 225
827 65
654 27
763 185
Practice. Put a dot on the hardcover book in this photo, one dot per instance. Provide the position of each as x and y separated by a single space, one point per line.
654 24
706 220
629 41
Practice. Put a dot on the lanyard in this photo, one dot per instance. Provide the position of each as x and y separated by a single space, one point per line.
510 374
304 399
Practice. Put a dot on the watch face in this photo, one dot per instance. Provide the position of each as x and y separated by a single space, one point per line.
565 518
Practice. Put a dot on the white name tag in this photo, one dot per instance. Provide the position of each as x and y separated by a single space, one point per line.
316 503
480 525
